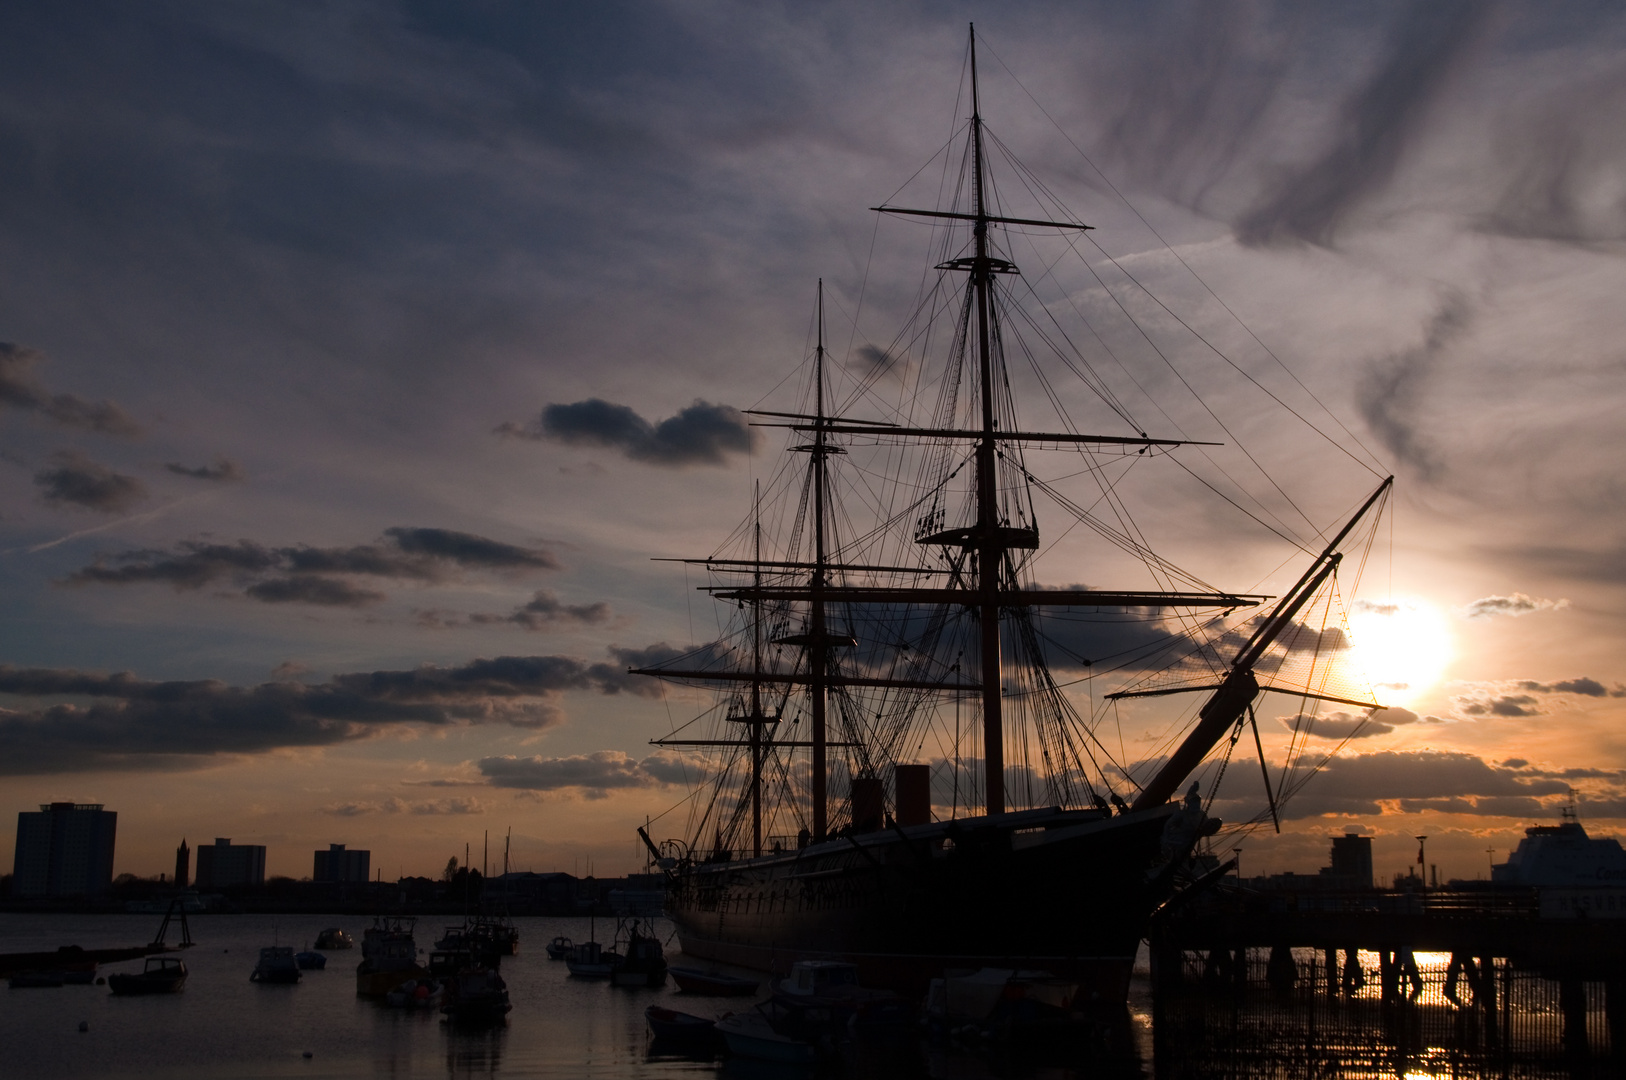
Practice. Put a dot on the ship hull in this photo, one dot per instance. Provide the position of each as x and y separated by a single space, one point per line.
1068 892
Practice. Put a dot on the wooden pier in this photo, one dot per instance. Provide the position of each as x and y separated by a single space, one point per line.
1480 975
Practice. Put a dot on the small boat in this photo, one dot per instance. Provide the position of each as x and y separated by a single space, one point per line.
476 996
712 983
334 938
559 948
160 975
752 1035
590 960
642 962
822 998
389 956
415 994
277 965
310 961
681 1030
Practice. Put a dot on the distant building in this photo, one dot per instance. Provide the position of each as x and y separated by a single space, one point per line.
223 864
337 864
66 849
1351 862
183 865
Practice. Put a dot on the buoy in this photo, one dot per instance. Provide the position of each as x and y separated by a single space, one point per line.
84 1025
309 1054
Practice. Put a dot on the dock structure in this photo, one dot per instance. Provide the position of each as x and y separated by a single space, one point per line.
1497 977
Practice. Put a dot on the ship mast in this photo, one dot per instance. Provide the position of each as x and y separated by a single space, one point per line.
818 656
990 553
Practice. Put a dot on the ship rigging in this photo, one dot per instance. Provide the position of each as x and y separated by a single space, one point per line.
866 637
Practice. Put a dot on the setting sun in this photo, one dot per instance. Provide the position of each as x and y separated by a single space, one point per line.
1401 646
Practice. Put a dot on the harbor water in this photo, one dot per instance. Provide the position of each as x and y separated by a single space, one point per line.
223 1025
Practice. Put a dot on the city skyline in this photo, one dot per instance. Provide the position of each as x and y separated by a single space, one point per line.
358 366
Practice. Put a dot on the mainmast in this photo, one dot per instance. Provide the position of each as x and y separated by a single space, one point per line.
818 648
990 553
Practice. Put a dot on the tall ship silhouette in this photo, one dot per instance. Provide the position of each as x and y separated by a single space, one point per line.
891 772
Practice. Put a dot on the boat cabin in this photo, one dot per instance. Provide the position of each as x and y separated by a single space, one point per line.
814 978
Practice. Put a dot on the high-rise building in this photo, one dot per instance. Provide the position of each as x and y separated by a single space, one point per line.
337 864
1351 861
183 865
66 849
223 864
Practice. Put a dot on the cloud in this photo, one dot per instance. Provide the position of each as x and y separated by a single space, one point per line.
469 550
545 610
1518 604
1358 783
1584 686
432 807
1426 48
21 389
308 574
131 723
325 592
601 771
871 363
1390 391
76 480
1500 705
223 471
1340 725
702 434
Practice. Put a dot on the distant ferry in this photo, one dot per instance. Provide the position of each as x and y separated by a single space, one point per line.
1563 856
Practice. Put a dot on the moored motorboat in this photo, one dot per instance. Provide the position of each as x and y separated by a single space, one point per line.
681 1030
424 993
559 948
309 960
750 1034
476 996
276 965
591 960
389 957
159 975
642 962
712 983
335 938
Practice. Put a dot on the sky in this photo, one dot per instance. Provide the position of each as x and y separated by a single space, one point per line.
358 359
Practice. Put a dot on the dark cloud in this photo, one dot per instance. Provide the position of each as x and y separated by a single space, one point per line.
469 550
326 592
1390 392
193 565
132 723
702 434
76 480
1427 46
224 471
1515 605
432 807
544 611
1501 705
306 574
1563 158
21 389
600 771
1356 784
1340 725
1186 119
1584 686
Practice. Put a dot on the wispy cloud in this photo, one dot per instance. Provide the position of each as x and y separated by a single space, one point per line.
21 388
73 479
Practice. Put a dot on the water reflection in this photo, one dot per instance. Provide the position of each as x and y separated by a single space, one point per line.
474 1052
